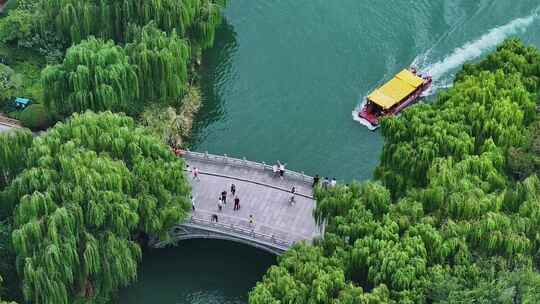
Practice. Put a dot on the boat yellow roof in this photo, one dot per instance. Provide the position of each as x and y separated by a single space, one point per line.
395 90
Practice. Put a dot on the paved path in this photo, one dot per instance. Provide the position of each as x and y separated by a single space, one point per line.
7 124
4 128
262 195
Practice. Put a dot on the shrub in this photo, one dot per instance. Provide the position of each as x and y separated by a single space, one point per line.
35 117
9 82
18 25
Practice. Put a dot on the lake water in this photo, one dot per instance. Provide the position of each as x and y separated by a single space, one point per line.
281 83
198 272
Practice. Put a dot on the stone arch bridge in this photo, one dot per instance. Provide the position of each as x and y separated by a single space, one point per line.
277 223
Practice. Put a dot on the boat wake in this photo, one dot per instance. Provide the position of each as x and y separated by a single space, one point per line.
440 70
470 51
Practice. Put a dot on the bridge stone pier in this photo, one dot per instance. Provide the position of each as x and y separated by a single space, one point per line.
278 224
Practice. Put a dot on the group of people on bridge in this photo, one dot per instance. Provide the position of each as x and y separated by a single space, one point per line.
278 170
326 183
222 199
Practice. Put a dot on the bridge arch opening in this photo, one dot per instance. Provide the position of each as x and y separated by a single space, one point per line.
267 249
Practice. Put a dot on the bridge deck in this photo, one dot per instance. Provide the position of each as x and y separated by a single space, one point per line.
262 195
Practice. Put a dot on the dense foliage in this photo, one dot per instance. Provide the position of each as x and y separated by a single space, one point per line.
161 61
76 20
9 82
21 29
14 146
13 151
17 25
446 221
35 117
9 288
91 188
96 186
108 43
157 40
94 75
100 75
171 125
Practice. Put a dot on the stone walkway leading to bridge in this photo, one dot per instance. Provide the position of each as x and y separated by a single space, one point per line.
262 195
7 124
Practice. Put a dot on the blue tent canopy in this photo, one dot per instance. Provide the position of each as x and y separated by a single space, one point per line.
22 101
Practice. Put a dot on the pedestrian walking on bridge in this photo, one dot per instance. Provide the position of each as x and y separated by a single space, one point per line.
316 180
292 200
233 189
281 168
224 197
275 170
325 183
196 174
236 203
220 204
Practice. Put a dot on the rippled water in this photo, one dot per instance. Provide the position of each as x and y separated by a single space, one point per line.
281 83
285 75
198 272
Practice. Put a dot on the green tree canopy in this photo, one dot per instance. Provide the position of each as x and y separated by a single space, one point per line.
95 75
14 147
76 20
9 83
91 187
161 63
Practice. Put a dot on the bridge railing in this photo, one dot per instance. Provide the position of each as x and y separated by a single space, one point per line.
231 161
242 224
247 232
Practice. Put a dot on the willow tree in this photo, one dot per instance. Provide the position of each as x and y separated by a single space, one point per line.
206 20
483 283
161 63
94 75
94 186
75 20
14 147
488 106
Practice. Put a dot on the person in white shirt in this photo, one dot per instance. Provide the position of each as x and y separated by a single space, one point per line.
220 204
333 182
196 174
281 168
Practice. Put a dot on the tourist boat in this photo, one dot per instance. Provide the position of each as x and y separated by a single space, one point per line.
391 98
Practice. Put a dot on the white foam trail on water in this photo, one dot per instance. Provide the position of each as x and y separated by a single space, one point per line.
470 51
475 49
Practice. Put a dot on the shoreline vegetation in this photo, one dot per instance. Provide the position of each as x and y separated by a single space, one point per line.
70 56
451 216
78 204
